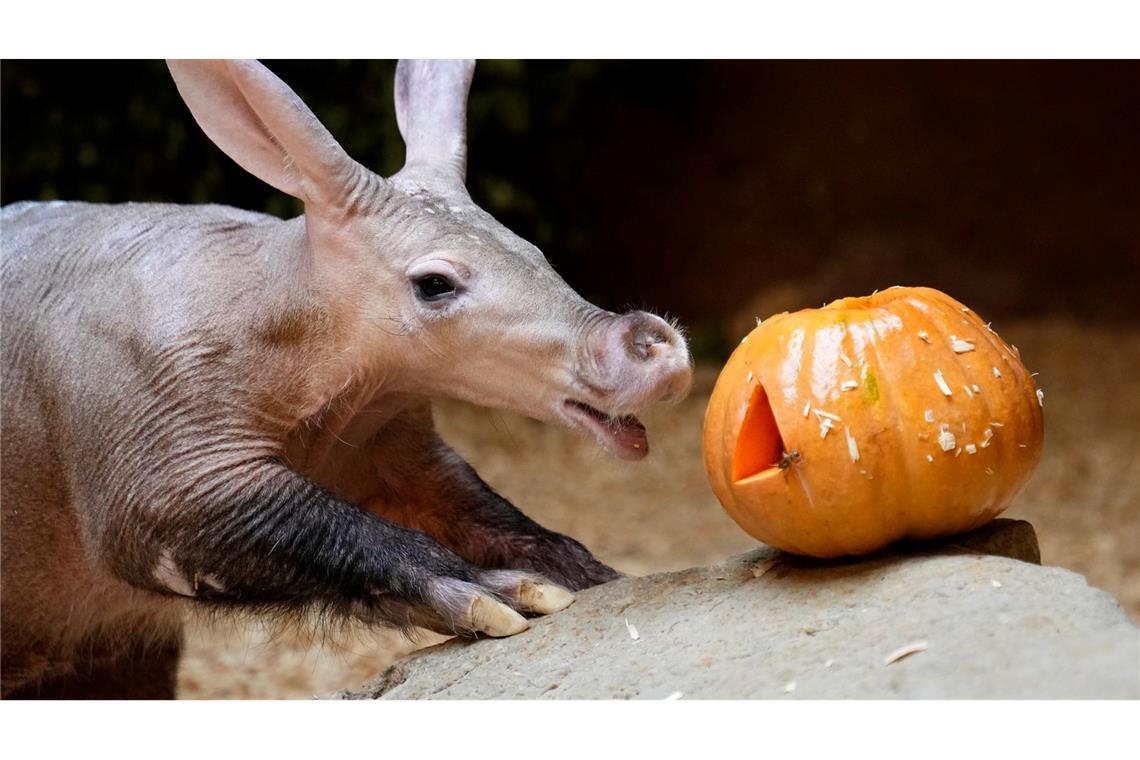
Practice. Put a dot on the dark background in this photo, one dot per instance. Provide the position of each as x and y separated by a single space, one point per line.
706 190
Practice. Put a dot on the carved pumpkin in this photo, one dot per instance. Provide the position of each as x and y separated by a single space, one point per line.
839 430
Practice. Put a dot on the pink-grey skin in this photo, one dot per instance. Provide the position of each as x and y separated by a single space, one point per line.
207 406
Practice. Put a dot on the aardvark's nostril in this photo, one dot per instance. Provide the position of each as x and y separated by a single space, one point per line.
646 334
646 341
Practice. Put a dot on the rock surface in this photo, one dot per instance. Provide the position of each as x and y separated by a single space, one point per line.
985 621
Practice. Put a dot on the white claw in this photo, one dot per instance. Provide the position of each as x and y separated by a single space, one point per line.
543 598
494 618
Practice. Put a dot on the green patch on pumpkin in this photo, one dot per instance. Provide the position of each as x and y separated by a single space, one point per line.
871 385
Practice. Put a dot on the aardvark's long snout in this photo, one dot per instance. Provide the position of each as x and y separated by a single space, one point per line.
632 361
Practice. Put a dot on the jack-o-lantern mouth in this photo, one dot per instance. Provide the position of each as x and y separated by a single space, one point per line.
759 445
623 436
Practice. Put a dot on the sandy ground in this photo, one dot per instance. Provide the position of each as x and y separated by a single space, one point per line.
660 515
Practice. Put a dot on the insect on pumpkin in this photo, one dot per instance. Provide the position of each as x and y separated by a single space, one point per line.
789 458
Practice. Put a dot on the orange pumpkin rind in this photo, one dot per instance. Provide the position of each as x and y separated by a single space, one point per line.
907 416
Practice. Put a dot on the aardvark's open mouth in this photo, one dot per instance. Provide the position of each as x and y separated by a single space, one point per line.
622 436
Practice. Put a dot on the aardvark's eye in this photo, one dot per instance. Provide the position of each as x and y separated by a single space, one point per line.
433 287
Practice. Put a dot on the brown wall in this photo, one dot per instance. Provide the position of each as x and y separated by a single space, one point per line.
1014 186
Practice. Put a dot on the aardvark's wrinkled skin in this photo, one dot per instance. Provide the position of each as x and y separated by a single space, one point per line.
203 405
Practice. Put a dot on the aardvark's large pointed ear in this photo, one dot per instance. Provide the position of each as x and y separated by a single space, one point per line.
431 111
259 122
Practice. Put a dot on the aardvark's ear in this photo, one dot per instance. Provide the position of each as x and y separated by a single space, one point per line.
431 111
259 122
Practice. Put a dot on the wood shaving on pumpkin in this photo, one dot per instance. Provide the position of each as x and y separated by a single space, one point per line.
946 439
924 335
961 346
942 383
828 415
807 409
848 385
997 372
748 379
852 447
906 650
969 392
928 415
844 359
1040 398
977 388
929 457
